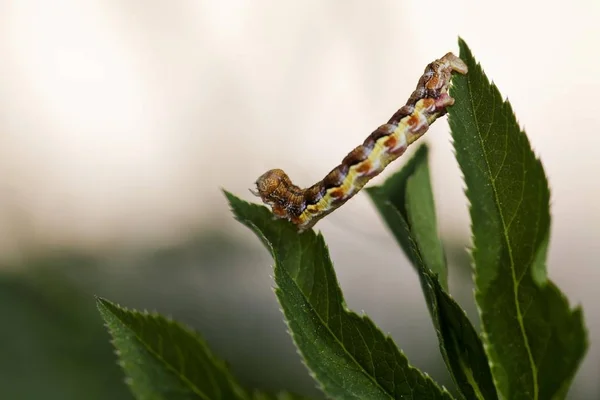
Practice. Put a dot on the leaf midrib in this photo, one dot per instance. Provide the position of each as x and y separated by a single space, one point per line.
506 238
191 385
312 308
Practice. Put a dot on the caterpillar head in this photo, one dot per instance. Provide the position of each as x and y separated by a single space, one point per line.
271 185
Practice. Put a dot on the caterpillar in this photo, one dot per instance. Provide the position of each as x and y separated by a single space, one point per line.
305 207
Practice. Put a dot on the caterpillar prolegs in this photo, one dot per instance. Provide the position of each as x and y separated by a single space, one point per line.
305 207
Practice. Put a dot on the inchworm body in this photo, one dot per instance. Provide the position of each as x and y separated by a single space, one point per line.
305 207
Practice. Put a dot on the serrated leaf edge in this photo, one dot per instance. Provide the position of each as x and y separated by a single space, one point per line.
320 385
504 103
426 275
101 304
540 279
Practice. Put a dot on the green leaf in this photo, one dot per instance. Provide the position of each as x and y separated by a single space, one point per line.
347 354
410 214
405 202
534 341
165 360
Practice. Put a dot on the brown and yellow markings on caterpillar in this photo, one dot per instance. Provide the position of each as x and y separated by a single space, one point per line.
305 207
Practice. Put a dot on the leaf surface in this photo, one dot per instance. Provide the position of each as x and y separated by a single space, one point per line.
165 360
534 341
405 201
346 353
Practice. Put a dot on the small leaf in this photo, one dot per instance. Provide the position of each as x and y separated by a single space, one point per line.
410 215
405 201
164 360
534 341
347 354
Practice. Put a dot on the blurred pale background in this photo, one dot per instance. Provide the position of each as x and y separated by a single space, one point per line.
120 120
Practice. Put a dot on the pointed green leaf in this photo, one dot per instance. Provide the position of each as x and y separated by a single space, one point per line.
405 201
346 353
534 341
165 360
410 214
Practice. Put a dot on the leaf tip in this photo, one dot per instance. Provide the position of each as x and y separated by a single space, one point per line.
102 305
464 49
231 199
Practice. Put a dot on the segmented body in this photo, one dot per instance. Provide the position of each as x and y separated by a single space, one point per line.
305 207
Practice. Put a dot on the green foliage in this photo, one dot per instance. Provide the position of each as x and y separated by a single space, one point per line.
347 354
165 360
405 202
531 343
534 341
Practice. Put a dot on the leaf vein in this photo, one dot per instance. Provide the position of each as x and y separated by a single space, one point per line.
507 240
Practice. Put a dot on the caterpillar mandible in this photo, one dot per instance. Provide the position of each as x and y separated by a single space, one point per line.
305 207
